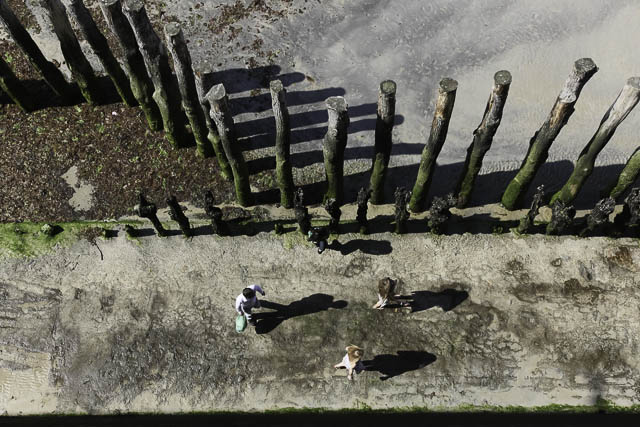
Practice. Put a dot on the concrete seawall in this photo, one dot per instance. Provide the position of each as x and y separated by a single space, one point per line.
499 321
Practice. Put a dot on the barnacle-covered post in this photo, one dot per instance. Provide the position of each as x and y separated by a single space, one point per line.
333 209
221 115
361 215
333 146
439 127
146 209
527 222
139 81
176 214
599 215
383 142
99 44
402 197
561 218
483 136
301 212
215 215
621 107
439 212
539 145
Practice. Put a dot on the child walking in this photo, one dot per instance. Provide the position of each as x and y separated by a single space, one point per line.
352 361
247 301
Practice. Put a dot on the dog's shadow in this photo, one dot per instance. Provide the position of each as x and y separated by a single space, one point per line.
391 365
268 321
424 300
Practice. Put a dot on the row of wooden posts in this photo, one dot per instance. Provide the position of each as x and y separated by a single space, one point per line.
149 82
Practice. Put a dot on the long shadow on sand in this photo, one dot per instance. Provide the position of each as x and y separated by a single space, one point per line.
391 365
447 299
267 322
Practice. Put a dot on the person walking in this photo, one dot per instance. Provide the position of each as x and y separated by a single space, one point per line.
352 361
387 295
247 301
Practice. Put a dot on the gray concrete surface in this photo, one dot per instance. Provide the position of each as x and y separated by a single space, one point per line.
150 327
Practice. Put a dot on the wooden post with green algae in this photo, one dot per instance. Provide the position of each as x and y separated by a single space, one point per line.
333 146
50 73
221 115
439 127
14 88
141 85
541 141
157 63
99 44
212 136
81 70
627 177
284 174
619 110
384 126
187 85
483 136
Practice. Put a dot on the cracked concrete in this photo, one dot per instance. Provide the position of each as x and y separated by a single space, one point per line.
151 326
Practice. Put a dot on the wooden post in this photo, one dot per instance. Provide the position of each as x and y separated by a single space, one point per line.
141 85
101 48
146 209
627 177
384 126
214 138
439 128
483 136
539 145
622 106
561 218
401 196
284 174
333 145
76 61
157 63
50 73
187 85
526 223
598 218
12 86
221 115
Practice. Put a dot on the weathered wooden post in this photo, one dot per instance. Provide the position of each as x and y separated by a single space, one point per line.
439 127
630 215
284 174
14 88
539 145
385 119
157 63
76 61
212 136
176 214
99 44
333 146
527 222
333 209
621 107
483 136
50 73
627 177
187 85
439 212
141 85
221 115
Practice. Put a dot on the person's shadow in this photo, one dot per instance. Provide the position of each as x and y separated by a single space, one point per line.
267 322
391 365
424 300
371 247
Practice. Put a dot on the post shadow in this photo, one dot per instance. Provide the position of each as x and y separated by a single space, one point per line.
447 299
267 322
392 365
366 246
